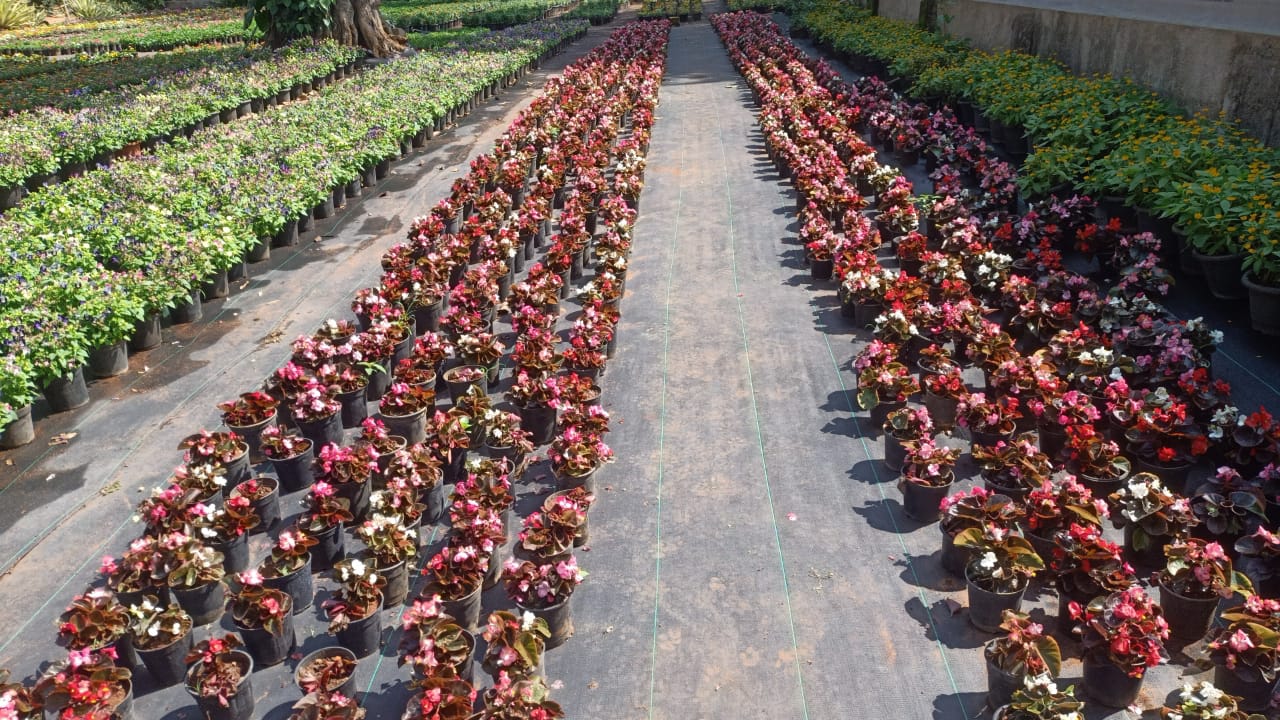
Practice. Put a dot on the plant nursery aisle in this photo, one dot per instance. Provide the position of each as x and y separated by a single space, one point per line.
776 591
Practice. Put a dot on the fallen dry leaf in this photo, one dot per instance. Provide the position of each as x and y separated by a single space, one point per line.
62 438
108 489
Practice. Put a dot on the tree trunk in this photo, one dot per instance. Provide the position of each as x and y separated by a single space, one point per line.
358 22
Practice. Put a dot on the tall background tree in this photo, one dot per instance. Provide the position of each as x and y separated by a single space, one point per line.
350 22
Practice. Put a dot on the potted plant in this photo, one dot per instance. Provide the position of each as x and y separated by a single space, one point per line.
327 706
441 698
1204 701
219 678
327 670
975 508
195 578
885 388
1122 635
544 589
552 531
1244 652
288 567
1096 460
504 437
391 546
95 621
1155 516
162 638
226 529
998 573
348 471
87 684
264 617
1040 699
317 413
537 398
519 698
247 416
902 425
19 699
225 450
291 456
353 610
457 573
1055 506
322 520
1260 560
404 409
576 456
514 644
1025 653
942 395
1012 466
1085 565
433 644
988 421
1197 574
927 474
262 494
137 573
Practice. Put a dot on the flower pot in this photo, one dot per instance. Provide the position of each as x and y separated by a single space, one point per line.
252 436
987 439
347 687
1101 487
1174 477
588 481
203 602
1222 274
19 431
355 407
1151 555
235 553
895 453
146 333
427 316
465 610
167 664
559 618
1015 493
236 470
322 431
921 502
109 360
397 587
295 473
67 392
941 409
954 558
1264 306
821 269
268 648
1108 685
986 608
297 585
306 222
362 637
218 286
239 705
379 381
1000 683
1254 695
1053 440
865 314
1188 617
266 508
434 501
329 548
324 208
880 413
357 494
189 310
412 427
287 237
539 421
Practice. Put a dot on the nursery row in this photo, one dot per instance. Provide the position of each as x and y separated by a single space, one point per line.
91 258
1109 138
1096 403
597 12
569 149
165 31
72 83
158 19
37 144
472 13
671 8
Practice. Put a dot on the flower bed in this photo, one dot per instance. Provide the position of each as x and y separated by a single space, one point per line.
163 31
602 106
1103 136
74 283
43 141
1122 413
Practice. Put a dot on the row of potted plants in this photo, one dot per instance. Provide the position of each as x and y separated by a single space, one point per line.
77 284
150 33
40 81
1084 381
475 13
1212 185
671 8
44 142
177 553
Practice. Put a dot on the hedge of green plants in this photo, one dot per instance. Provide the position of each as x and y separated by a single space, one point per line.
88 258
162 31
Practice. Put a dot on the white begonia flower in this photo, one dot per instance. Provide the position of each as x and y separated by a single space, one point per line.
526 620
987 561
357 566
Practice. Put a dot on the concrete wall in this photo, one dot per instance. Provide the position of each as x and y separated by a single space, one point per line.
1198 67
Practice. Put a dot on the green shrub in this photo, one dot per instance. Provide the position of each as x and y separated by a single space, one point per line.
17 13
92 10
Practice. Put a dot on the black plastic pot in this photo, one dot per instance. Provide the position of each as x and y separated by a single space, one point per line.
1188 617
986 608
379 381
1264 306
218 286
464 610
252 436
412 427
235 553
240 705
295 473
329 549
362 637
559 618
167 664
397 587
357 494
355 407
297 585
1108 685
268 648
324 209
146 333
288 235
1000 683
20 431
266 508
539 421
922 502
323 431
192 310
346 687
1254 696
458 388
203 603
1222 274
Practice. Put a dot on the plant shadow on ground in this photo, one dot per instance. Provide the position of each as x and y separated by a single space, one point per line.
961 706
926 571
946 622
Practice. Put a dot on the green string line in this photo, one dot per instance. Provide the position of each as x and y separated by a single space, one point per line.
755 411
897 531
662 423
